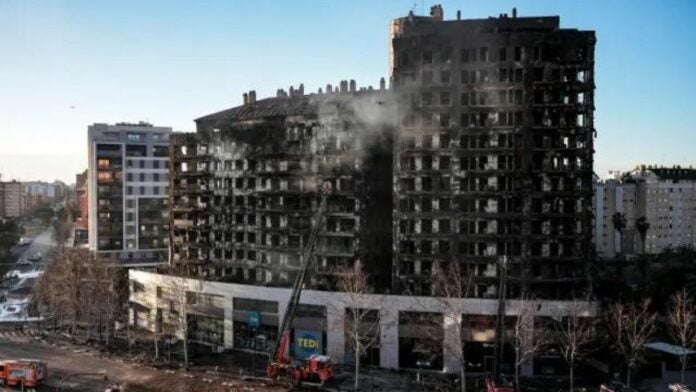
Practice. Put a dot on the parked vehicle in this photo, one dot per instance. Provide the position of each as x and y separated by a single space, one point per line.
23 372
24 241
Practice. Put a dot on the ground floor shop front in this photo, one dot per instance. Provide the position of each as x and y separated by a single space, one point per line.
399 331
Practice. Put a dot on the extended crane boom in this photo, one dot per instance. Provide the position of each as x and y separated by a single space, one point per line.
280 361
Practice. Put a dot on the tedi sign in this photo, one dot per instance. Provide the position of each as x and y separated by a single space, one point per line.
307 343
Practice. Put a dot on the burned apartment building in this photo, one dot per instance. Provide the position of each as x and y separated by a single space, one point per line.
480 153
493 161
245 187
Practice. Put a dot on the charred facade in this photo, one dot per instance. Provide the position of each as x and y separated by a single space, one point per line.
480 153
245 187
493 164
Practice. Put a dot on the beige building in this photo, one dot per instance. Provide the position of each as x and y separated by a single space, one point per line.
12 195
664 197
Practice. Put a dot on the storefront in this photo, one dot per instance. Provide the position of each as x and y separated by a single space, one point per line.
255 324
206 318
420 340
308 331
410 331
479 338
206 330
368 329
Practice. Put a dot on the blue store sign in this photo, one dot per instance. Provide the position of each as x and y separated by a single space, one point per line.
253 320
307 343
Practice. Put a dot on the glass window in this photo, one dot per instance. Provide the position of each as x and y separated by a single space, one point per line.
464 54
445 77
502 54
133 137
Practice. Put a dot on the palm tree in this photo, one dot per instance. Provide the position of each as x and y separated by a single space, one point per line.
619 222
642 226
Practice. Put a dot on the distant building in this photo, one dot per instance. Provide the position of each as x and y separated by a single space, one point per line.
40 188
2 200
13 199
127 179
82 203
665 198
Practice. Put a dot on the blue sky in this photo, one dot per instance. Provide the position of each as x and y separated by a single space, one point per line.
169 62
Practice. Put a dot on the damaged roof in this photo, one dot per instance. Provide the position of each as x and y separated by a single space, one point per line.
267 107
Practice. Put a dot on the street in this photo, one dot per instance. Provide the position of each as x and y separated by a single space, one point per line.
64 360
18 282
42 243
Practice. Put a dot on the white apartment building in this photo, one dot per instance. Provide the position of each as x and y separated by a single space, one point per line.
128 176
40 188
666 197
670 207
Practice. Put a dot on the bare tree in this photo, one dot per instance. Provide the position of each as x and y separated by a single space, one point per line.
574 333
82 289
179 292
630 326
682 323
361 324
451 282
526 341
60 289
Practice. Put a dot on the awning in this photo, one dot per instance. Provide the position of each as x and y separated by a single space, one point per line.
669 348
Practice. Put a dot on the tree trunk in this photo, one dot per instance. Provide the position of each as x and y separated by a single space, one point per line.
128 336
356 383
517 369
572 376
462 375
186 358
156 341
683 366
628 377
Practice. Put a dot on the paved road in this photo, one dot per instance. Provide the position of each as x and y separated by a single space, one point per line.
65 360
42 243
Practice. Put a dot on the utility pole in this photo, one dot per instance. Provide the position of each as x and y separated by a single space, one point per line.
500 319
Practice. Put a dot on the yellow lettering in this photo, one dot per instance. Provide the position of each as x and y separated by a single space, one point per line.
307 343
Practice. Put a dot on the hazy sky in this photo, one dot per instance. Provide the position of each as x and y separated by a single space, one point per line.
168 62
